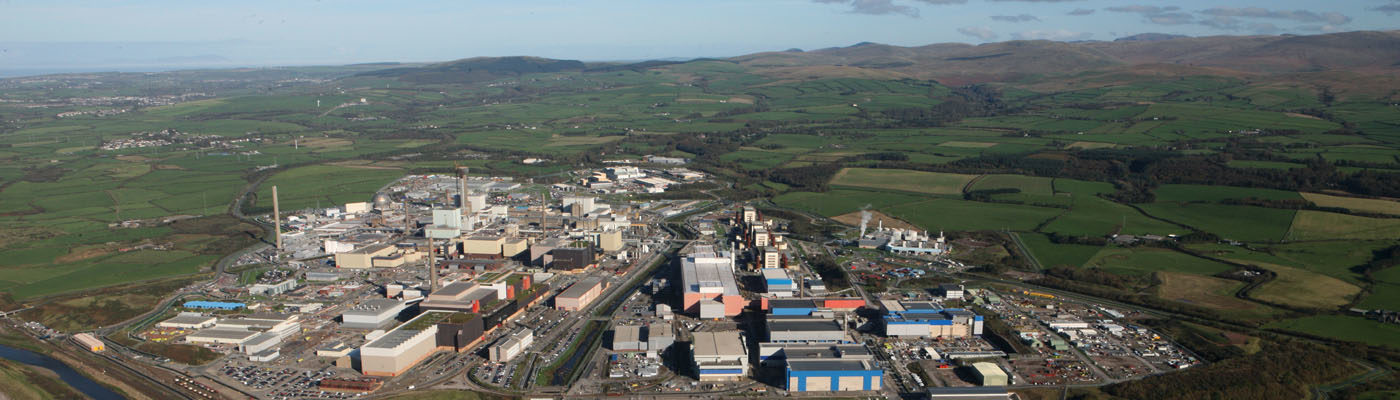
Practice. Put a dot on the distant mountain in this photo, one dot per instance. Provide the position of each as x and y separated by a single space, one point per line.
477 69
958 63
1149 37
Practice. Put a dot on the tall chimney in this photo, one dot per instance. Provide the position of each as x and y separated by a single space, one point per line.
463 192
432 269
277 217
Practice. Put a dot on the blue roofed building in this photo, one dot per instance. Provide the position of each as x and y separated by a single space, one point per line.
215 305
926 319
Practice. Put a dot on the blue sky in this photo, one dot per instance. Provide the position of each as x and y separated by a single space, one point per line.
77 34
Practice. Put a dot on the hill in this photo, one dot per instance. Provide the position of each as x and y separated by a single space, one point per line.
478 69
957 63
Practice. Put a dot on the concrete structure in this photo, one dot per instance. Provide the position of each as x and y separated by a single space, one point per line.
628 338
761 237
215 305
511 345
777 282
89 342
188 321
462 296
363 258
610 241
578 296
322 276
282 325
478 246
776 354
334 350
396 351
989 374
273 289
952 291
771 258
572 258
806 330
260 343
372 313
720 356
921 319
218 335
968 393
659 338
706 275
749 215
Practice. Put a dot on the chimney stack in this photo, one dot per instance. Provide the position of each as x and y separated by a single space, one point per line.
277 217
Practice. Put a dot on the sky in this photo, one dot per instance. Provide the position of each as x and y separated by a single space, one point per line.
75 35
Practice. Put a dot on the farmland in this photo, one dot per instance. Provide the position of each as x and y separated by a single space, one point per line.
1377 206
908 181
1346 328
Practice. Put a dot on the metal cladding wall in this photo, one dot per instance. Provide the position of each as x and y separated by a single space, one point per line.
458 336
821 381
499 315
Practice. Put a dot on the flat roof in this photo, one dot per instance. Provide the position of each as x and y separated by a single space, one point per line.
799 352
709 270
189 319
712 344
261 338
454 289
627 333
830 365
792 303
988 369
392 339
373 306
775 273
224 333
581 287
803 325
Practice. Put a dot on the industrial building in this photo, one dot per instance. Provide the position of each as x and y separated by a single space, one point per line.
463 297
188 320
511 345
708 284
806 330
316 276
579 295
282 325
372 313
923 319
628 338
659 338
214 305
989 374
777 282
777 354
89 342
272 289
968 393
363 258
838 375
394 352
221 335
771 258
720 356
573 259
811 306
952 291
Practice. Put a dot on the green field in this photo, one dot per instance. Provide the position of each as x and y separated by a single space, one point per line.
1203 193
1142 261
1355 204
1052 254
903 180
1317 225
324 186
1243 223
1346 328
962 215
1091 215
837 202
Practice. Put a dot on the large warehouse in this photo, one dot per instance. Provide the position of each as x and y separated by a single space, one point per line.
628 338
777 282
828 375
399 349
720 356
188 320
578 296
806 330
372 313
923 319
708 284
989 374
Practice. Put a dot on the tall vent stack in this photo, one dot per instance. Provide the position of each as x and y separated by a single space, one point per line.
277 217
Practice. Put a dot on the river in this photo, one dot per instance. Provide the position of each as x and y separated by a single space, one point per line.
67 375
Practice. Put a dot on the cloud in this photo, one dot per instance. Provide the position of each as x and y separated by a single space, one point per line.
1388 9
1170 15
1040 1
1330 18
978 32
875 7
1015 18
1082 11
945 1
1057 35
1262 28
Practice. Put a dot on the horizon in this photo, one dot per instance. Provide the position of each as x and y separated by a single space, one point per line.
145 36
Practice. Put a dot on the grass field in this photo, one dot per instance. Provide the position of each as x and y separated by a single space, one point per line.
1142 261
1203 193
1052 254
1302 288
962 215
323 185
837 202
1090 215
1318 225
1243 223
1386 292
1351 328
1325 258
1355 204
903 180
1206 291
